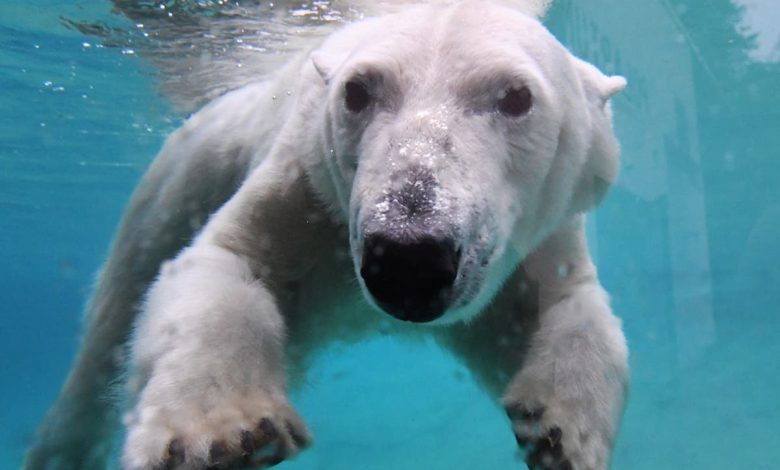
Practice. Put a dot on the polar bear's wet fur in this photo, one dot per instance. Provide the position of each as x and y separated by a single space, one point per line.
441 158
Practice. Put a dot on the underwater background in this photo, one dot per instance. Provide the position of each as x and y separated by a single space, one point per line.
686 242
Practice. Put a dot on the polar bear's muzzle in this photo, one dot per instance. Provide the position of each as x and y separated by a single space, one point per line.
410 277
408 255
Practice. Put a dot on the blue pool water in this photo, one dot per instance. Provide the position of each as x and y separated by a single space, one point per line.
686 242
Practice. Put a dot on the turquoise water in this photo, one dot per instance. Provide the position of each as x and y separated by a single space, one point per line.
685 242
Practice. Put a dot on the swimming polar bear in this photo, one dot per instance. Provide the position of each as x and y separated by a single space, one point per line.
444 155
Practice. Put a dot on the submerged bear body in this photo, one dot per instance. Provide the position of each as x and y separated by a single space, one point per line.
426 171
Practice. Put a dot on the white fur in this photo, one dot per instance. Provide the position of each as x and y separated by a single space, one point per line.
293 182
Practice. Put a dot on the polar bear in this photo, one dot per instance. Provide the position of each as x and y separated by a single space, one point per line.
433 166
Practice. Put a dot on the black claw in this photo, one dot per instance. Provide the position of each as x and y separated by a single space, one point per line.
554 436
547 452
217 452
557 451
556 447
175 452
247 442
536 457
298 438
267 430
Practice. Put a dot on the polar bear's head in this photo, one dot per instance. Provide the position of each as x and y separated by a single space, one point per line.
457 138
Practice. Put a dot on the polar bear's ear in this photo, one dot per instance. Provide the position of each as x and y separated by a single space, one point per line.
326 63
320 63
597 86
603 152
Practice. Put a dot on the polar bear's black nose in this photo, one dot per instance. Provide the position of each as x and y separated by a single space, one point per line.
410 279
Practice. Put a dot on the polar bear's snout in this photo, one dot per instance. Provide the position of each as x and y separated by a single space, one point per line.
410 277
409 257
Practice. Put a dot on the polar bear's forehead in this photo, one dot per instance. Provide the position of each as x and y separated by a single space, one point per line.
464 39
498 30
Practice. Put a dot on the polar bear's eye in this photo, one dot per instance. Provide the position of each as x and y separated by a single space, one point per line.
515 102
356 96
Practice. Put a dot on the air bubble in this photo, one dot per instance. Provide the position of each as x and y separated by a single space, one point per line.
563 270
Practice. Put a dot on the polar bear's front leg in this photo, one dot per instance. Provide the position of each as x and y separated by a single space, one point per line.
566 400
207 359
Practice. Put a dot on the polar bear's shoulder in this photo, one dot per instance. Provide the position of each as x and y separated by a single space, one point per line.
239 119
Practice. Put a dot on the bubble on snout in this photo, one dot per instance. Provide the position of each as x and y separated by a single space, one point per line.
523 287
422 114
341 254
378 251
315 217
264 244
437 118
196 222
442 200
431 141
382 208
373 269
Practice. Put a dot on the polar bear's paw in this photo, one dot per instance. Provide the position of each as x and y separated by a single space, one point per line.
542 444
554 438
235 433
